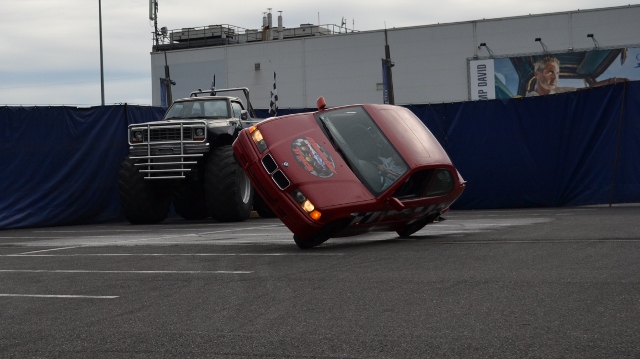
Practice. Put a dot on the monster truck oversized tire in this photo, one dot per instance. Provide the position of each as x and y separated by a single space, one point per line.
143 202
227 188
260 206
189 200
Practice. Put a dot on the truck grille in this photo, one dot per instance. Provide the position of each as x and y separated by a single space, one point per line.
168 134
167 150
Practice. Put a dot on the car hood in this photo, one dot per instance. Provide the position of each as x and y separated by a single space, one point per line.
307 157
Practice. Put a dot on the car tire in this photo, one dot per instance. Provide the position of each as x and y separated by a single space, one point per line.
143 202
228 192
310 242
323 234
189 200
412 228
261 207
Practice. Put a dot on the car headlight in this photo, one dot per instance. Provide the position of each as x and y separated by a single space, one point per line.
258 139
306 205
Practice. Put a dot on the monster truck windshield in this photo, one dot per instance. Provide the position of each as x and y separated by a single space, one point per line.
364 147
198 109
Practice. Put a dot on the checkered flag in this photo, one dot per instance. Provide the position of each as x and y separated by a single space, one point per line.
273 104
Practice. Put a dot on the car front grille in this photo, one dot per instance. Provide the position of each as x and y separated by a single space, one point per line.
271 166
280 179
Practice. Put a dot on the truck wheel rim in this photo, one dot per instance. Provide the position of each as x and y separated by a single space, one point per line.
245 187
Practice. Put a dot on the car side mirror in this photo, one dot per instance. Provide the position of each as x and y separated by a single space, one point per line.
396 204
244 115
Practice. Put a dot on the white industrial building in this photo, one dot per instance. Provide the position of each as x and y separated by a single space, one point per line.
432 62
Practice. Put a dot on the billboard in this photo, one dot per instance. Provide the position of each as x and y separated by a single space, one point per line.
550 73
482 80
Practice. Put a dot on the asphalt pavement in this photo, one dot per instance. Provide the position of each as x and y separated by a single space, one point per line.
533 283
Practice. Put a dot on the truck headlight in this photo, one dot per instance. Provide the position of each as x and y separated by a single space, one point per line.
258 139
198 134
306 205
136 136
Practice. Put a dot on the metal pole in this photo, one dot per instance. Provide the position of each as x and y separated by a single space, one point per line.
615 161
101 62
168 81
389 65
155 22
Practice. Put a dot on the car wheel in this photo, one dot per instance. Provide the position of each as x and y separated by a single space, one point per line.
143 202
416 226
228 192
311 241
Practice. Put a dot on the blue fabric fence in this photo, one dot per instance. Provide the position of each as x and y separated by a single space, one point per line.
59 165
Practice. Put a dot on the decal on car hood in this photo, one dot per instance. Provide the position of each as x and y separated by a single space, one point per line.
313 157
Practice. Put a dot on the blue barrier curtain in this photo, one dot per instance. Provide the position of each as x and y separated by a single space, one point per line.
60 164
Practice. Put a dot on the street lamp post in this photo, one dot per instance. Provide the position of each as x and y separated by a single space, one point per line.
101 64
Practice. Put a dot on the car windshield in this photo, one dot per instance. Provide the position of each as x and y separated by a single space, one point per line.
364 147
198 109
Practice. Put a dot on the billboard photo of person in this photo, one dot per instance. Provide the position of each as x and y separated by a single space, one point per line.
547 74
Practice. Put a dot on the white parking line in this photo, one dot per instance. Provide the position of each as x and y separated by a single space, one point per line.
14 237
120 271
61 296
240 229
190 234
52 249
91 231
173 254
138 240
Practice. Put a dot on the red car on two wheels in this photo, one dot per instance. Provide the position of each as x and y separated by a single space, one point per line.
349 170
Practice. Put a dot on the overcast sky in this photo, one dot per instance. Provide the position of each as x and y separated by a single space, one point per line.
50 49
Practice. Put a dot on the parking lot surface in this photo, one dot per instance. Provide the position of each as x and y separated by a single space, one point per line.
535 283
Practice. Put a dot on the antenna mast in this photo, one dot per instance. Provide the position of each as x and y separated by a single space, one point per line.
153 16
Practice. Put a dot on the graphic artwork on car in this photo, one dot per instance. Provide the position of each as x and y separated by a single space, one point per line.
313 157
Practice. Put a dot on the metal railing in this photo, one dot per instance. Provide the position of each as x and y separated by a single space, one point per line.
217 35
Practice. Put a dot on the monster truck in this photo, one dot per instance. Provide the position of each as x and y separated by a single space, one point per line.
187 159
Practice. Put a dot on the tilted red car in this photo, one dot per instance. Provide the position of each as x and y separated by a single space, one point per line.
349 170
